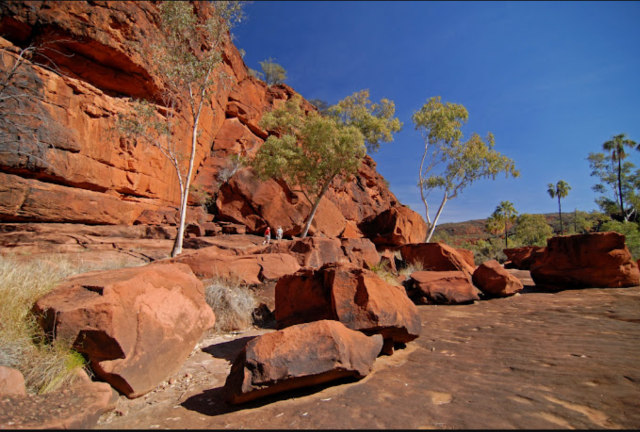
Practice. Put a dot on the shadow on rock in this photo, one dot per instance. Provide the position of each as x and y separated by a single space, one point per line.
228 350
212 402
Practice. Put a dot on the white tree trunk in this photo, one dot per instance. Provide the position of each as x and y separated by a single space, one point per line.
177 246
315 207
435 220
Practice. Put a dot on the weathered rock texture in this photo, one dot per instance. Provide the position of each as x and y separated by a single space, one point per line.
300 356
494 281
395 227
523 258
437 257
210 263
317 251
357 297
136 325
598 260
441 287
78 407
91 174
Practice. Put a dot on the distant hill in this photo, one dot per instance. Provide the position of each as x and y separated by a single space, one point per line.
471 231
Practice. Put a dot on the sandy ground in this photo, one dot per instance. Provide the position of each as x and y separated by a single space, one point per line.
536 360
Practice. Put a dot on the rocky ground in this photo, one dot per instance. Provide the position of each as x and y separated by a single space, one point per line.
536 360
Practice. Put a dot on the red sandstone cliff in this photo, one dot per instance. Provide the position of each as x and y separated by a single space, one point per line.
91 174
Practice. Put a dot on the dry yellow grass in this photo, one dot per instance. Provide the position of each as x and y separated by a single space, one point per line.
46 367
232 303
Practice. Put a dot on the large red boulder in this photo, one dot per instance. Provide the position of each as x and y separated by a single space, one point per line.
494 281
395 227
214 262
357 297
441 287
135 325
523 258
303 355
437 257
597 260
360 251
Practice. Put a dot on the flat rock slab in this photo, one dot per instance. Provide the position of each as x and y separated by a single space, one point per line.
533 360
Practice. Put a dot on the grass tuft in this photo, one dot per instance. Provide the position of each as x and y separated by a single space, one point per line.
46 367
232 303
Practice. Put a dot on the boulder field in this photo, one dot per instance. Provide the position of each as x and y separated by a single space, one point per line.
138 326
451 344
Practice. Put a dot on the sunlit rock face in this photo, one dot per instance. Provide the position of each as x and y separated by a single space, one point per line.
120 181
597 260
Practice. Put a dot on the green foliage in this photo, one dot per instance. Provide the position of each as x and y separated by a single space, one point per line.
273 72
560 190
254 73
186 54
374 120
486 250
464 162
618 179
629 230
506 214
321 105
493 225
532 230
584 222
309 151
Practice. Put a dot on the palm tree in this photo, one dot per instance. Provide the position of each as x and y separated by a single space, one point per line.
560 190
493 225
616 147
505 213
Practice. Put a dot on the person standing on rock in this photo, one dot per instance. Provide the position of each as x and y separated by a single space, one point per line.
279 233
267 236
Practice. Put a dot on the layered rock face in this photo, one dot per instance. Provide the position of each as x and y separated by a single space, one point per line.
89 173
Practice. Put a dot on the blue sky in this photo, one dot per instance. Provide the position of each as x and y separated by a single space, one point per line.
551 80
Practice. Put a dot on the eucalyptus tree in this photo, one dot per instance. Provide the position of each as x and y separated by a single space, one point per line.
272 72
308 151
464 162
186 54
560 190
506 214
376 121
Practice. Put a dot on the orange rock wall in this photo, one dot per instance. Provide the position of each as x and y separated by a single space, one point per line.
99 72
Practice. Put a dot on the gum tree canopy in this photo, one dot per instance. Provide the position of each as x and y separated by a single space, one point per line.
448 163
309 150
